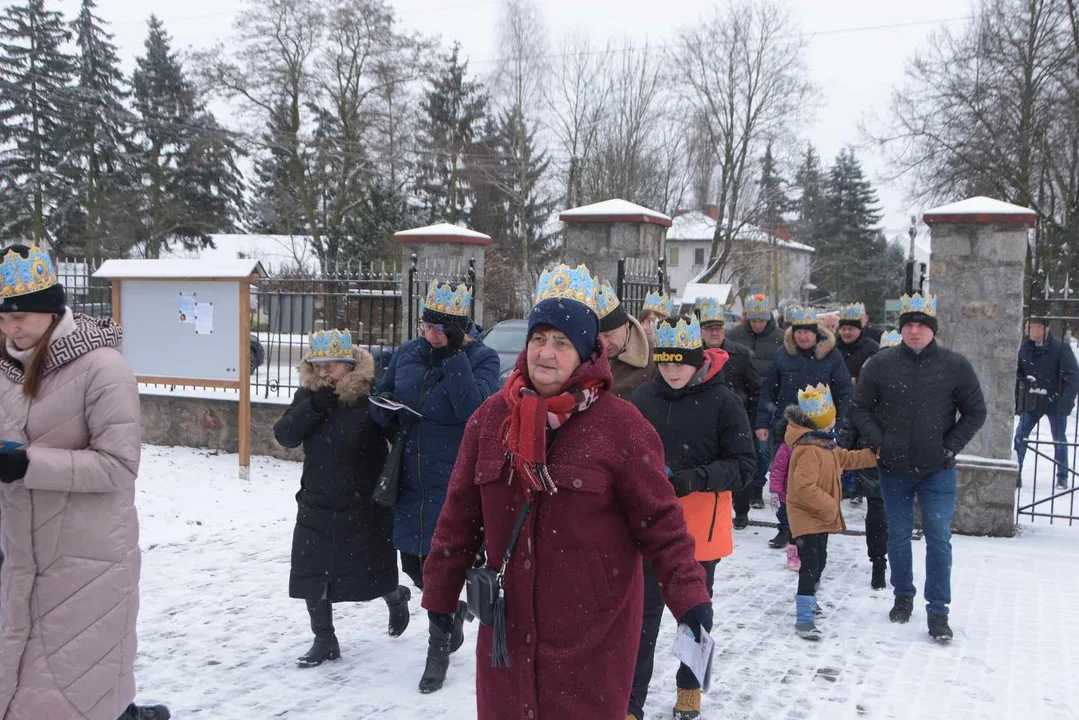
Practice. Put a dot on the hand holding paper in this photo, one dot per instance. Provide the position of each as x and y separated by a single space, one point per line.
697 656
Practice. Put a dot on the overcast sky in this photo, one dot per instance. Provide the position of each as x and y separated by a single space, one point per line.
857 51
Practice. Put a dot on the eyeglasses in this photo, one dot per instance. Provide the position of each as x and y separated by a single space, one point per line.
424 327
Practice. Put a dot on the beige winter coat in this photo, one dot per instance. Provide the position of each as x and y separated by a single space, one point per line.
69 584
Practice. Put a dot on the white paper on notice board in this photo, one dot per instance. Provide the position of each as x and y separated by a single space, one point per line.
187 308
204 318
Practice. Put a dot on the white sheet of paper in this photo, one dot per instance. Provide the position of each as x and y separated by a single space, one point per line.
697 656
187 308
204 318
392 406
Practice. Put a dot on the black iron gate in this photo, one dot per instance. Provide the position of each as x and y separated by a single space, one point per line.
1047 484
637 277
422 274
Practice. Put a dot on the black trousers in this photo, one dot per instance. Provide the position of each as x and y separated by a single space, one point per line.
813 552
876 528
413 567
646 652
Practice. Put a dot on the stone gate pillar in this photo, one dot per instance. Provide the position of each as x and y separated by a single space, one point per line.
978 262
441 248
599 235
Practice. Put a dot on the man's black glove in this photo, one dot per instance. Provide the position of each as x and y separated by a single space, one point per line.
442 621
323 399
455 338
13 465
949 458
697 617
686 482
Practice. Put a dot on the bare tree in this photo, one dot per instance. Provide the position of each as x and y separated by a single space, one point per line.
743 70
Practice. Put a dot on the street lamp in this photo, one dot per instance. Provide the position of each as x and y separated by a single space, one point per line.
913 232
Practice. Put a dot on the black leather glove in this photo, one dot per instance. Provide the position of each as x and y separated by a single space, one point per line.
686 482
697 617
13 465
323 399
949 458
455 338
442 621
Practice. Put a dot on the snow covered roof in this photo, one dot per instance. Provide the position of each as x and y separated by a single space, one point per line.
443 232
275 252
696 226
614 211
695 291
167 269
981 210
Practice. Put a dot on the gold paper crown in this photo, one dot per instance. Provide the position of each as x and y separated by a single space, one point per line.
816 402
326 345
449 301
22 276
890 339
565 283
681 335
711 311
757 307
661 305
918 304
854 311
606 300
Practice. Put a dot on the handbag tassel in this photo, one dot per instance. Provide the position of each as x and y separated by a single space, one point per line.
500 656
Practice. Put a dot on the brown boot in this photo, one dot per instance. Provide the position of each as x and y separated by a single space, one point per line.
688 706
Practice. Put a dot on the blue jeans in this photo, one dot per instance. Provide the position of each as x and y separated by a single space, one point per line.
936 496
1058 426
764 461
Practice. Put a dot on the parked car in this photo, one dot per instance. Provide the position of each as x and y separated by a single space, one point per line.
507 338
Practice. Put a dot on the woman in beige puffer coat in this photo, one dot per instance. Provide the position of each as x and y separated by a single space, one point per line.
69 585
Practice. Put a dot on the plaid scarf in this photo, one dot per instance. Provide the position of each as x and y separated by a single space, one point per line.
525 431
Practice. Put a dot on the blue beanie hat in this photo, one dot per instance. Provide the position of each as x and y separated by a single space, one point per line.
567 300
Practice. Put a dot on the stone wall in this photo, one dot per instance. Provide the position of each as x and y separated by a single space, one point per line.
442 254
601 245
210 423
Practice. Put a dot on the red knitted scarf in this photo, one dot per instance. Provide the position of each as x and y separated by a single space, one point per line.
531 415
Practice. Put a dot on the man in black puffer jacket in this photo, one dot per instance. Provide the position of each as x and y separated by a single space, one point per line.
906 404
856 347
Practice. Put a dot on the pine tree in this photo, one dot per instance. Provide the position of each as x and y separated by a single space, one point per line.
190 187
99 142
452 111
809 184
275 207
35 78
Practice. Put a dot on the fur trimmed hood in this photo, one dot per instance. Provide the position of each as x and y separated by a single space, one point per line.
354 387
825 343
638 352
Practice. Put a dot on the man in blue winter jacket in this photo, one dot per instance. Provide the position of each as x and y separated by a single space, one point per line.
1046 384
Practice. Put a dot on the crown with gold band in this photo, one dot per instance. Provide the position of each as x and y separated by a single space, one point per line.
565 283
606 300
328 345
757 307
449 300
710 311
662 305
799 315
851 312
680 335
926 305
890 339
816 402
22 276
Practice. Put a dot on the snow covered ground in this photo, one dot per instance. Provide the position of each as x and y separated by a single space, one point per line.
218 634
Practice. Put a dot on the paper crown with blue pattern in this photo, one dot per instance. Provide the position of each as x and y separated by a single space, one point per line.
798 316
758 307
449 300
926 305
606 300
662 305
890 339
565 283
678 340
329 346
852 312
710 311
816 402
22 276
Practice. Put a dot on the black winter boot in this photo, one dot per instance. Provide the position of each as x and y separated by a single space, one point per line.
939 629
880 568
757 499
146 712
325 646
457 638
397 602
438 654
741 521
902 609
781 540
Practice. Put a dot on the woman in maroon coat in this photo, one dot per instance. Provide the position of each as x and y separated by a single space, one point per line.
594 470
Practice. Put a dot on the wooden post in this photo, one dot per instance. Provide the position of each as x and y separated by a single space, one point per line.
116 301
244 434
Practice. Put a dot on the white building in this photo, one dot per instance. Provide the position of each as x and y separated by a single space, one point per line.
690 239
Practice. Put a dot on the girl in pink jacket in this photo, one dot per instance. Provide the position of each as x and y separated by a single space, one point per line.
777 484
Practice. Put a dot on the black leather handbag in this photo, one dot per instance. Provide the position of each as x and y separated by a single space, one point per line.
389 480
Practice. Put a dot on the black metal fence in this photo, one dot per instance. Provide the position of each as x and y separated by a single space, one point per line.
637 277
85 293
